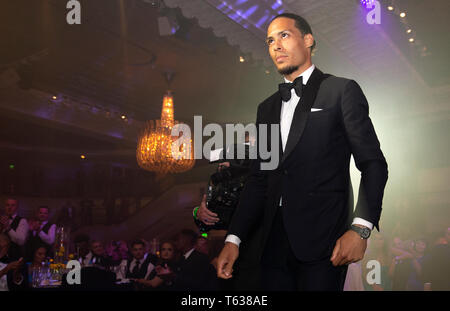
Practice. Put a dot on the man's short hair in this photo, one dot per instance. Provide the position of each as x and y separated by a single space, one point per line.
44 206
137 242
191 235
300 23
96 241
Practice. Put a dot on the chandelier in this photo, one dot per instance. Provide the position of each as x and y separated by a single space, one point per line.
154 149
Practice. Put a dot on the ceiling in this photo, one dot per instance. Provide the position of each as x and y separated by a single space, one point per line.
117 59
431 23
116 62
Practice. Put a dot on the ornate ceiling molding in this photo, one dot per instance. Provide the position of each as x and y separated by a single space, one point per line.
242 23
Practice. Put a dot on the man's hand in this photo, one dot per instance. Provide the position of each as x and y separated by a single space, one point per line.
165 273
15 265
205 215
349 248
227 257
35 226
160 270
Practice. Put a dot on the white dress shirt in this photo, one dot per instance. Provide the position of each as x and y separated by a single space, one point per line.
4 279
188 253
18 236
286 116
120 273
86 260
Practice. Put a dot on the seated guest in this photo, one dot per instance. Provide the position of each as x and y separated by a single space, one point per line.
402 264
99 256
163 274
436 268
195 271
202 245
84 255
14 226
117 251
415 282
11 271
38 255
168 256
137 267
42 231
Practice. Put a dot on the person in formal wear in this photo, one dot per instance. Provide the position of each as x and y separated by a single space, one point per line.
12 275
162 276
247 272
310 230
42 232
15 226
139 266
117 251
99 256
202 245
194 272
435 266
37 256
83 250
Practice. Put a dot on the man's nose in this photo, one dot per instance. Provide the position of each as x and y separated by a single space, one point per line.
277 45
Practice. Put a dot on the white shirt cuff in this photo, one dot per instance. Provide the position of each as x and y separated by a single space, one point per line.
233 239
362 222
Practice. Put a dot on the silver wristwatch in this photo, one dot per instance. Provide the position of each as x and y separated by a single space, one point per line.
364 232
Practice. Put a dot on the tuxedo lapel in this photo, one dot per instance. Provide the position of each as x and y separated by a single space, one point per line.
301 112
274 118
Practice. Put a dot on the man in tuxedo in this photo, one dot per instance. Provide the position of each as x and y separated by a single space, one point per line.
12 274
194 273
42 232
15 227
83 250
140 265
310 231
99 256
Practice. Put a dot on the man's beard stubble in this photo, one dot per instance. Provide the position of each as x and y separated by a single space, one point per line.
288 70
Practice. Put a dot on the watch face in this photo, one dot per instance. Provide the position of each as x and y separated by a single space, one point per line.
365 233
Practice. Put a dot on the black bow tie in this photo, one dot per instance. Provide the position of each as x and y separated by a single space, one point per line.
285 88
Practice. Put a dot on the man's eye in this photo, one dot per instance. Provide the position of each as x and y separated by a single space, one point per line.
284 35
269 42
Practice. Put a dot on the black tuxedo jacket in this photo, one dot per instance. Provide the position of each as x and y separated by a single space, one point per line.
195 274
313 174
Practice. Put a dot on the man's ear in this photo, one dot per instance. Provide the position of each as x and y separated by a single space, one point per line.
309 40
